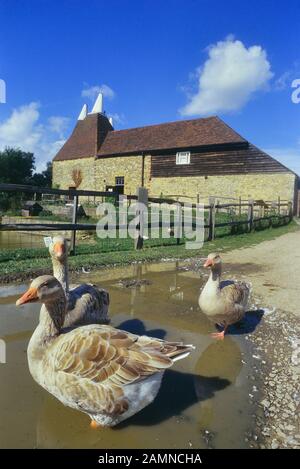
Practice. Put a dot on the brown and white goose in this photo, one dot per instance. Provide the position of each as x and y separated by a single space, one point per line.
224 303
104 372
87 303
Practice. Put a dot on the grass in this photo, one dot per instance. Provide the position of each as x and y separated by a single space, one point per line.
28 263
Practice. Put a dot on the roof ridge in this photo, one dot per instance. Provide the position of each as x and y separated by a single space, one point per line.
168 123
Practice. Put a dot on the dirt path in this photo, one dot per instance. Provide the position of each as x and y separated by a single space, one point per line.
273 268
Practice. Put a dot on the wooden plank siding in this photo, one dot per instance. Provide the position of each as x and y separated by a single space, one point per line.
212 163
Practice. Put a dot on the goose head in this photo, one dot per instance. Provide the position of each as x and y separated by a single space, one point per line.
44 289
58 248
213 261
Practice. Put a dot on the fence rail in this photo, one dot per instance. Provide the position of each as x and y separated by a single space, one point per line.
249 212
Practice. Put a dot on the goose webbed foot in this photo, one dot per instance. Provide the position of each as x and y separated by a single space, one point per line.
219 335
94 425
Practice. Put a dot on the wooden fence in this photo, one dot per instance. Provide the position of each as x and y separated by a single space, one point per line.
254 211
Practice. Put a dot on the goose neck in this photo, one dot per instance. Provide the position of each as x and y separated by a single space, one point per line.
61 272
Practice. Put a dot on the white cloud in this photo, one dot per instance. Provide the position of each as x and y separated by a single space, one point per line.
228 78
118 118
289 156
286 78
92 92
23 129
283 81
58 125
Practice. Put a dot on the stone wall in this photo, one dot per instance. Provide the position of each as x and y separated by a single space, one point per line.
97 174
107 169
62 173
251 186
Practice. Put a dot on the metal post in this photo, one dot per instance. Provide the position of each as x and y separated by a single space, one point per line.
74 221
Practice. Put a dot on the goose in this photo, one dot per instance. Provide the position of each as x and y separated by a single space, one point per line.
224 302
107 373
87 303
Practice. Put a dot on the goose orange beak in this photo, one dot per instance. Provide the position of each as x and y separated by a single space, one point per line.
28 297
208 263
59 249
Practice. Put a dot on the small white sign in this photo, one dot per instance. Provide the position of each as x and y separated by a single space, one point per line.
47 241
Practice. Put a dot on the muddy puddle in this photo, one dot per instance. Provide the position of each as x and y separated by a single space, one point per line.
203 401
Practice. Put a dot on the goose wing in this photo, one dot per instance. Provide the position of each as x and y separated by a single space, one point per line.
92 364
87 304
235 297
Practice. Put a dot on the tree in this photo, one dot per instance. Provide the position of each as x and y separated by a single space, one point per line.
43 179
16 166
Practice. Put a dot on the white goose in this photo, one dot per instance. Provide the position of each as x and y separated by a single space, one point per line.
104 372
87 303
223 303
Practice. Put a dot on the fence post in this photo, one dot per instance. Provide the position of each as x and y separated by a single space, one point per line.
290 210
211 219
278 205
74 221
240 206
142 198
178 231
250 214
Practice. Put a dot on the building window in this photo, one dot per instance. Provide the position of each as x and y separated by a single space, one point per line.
183 157
120 181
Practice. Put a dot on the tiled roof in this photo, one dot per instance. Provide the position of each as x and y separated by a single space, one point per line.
180 134
85 139
94 136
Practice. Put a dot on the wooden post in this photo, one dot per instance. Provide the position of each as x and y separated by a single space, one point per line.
178 230
142 197
74 221
198 198
240 206
290 210
250 214
278 205
211 218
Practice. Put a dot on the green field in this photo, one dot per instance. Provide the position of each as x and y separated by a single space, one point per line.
20 264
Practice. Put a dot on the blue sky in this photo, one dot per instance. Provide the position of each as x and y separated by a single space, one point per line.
156 61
